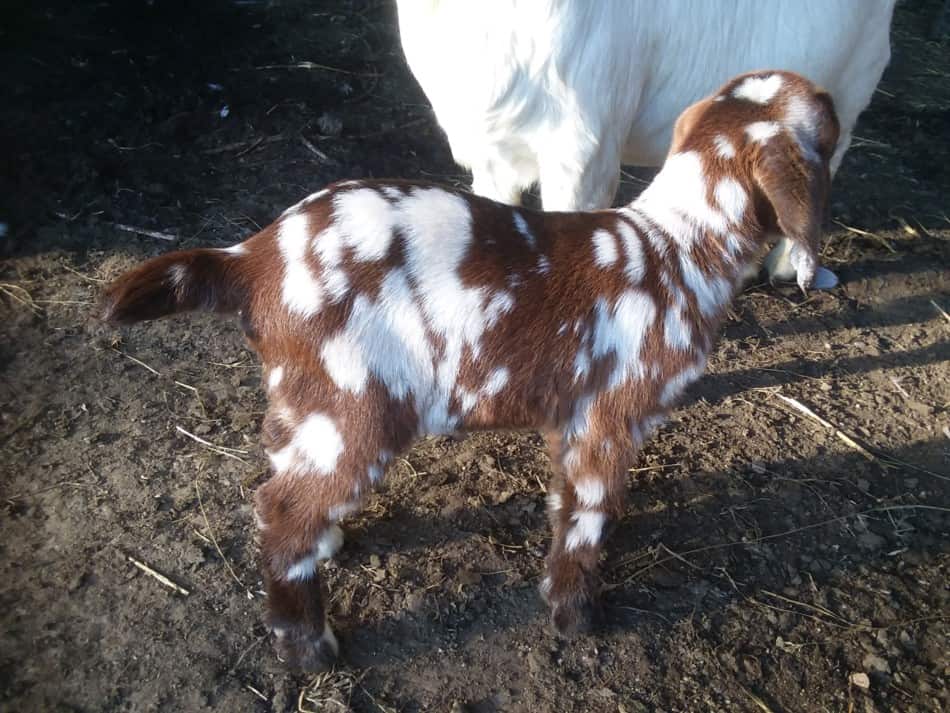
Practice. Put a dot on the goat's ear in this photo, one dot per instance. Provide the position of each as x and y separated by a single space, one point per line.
792 171
797 191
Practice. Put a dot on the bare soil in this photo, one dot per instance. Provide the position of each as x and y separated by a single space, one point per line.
765 562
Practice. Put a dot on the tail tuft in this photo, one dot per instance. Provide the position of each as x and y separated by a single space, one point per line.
205 279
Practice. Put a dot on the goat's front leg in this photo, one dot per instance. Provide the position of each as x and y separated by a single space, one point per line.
586 495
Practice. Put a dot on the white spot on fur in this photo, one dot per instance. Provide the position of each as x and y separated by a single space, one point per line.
571 458
236 250
585 531
733 245
732 199
712 293
467 399
438 226
544 265
590 492
304 569
282 460
561 328
677 332
675 386
605 248
365 221
274 377
521 225
635 267
554 502
545 586
315 447
327 545
501 303
676 199
724 147
338 512
581 364
319 443
178 274
579 423
375 473
762 131
344 362
620 330
803 122
758 89
301 293
495 382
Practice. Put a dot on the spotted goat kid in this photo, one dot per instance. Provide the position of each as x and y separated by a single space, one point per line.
387 310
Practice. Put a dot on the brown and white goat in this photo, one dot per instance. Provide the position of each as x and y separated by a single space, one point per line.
386 310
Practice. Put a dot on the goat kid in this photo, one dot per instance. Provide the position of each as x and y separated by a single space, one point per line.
386 310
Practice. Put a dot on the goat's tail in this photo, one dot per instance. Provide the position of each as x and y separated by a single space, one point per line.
203 279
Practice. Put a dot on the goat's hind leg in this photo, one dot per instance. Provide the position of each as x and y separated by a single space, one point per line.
298 514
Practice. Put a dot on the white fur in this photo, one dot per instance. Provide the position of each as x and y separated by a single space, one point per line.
274 377
344 362
338 512
605 248
732 199
762 131
560 92
724 147
178 274
365 220
590 492
619 329
325 547
712 293
676 330
319 443
760 90
329 543
586 529
635 267
495 382
301 292
676 199
521 225
500 304
314 448
554 502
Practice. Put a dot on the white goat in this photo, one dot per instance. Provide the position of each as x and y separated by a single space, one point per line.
563 91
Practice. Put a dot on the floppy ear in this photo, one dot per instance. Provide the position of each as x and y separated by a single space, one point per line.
797 190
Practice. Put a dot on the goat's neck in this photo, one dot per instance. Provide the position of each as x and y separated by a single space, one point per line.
709 256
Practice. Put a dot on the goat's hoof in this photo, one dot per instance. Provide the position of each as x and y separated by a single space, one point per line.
303 649
574 618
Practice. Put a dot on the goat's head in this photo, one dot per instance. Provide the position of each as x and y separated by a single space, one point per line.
778 131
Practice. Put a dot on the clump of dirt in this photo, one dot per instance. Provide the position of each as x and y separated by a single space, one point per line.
764 562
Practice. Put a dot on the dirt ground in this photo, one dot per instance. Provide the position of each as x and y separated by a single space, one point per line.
766 562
